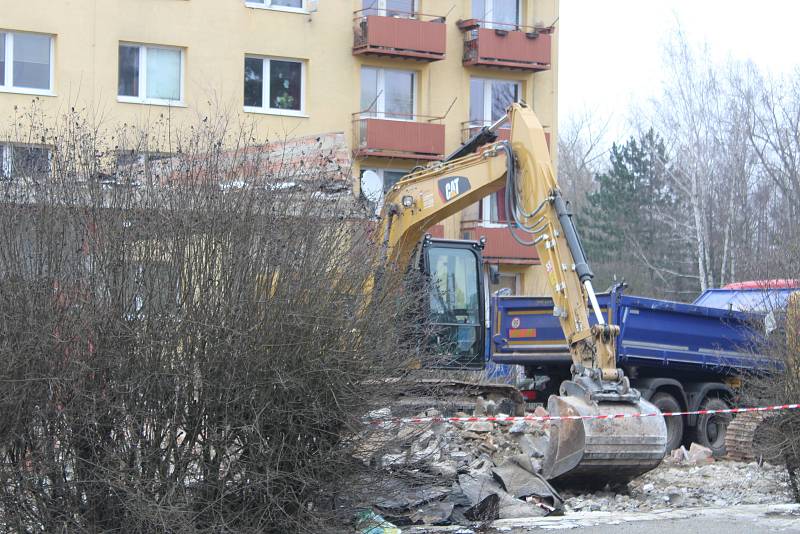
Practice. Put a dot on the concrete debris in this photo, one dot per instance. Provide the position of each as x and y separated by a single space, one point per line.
696 455
492 468
699 454
719 484
485 407
481 471
479 427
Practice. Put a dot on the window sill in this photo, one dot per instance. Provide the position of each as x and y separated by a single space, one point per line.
150 102
395 119
285 9
27 91
280 112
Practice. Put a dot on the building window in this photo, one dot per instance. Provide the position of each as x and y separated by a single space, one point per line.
389 8
26 62
389 177
280 5
150 74
499 280
274 85
30 161
388 93
489 99
498 14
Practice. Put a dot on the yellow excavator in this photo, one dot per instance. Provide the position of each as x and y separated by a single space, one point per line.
602 449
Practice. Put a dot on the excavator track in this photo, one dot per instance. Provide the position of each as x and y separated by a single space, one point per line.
740 434
744 435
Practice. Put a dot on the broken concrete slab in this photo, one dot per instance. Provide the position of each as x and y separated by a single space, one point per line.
699 455
520 427
479 427
444 469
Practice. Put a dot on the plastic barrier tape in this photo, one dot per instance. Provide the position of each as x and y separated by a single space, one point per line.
511 419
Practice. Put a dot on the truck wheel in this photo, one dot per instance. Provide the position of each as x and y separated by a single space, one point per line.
711 428
667 403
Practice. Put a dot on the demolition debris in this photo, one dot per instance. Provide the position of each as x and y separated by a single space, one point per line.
475 471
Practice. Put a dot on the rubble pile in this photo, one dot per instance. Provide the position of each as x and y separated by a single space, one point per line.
687 483
461 472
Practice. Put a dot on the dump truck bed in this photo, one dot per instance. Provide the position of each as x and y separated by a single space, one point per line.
653 333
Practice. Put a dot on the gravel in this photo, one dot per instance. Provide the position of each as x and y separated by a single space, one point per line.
670 486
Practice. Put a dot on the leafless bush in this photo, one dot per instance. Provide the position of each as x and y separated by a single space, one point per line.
186 342
778 437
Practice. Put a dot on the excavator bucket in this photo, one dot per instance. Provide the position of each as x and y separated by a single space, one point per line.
594 451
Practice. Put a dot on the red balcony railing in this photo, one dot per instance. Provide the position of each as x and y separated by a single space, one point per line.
506 46
416 36
415 138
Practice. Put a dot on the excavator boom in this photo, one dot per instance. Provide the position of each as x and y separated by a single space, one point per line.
608 450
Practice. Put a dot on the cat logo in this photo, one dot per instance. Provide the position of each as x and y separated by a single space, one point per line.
453 187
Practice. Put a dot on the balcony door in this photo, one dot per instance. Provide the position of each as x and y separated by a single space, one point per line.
388 93
498 14
488 101
389 8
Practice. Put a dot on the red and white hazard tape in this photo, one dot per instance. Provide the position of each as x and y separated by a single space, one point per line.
511 419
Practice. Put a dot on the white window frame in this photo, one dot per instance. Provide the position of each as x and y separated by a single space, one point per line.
381 172
5 161
489 7
8 86
142 98
266 88
486 202
486 212
267 4
380 7
487 98
7 158
380 103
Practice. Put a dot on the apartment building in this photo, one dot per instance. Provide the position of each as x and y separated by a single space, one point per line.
406 80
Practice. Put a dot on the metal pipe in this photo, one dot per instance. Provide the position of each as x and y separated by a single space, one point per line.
593 299
497 124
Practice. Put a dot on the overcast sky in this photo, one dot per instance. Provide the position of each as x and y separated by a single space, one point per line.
611 51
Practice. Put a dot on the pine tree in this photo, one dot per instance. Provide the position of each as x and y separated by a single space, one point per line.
624 234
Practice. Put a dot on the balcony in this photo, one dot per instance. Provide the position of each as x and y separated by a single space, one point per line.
416 138
501 247
410 36
506 46
470 128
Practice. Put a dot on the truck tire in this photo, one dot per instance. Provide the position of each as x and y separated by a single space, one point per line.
710 431
667 403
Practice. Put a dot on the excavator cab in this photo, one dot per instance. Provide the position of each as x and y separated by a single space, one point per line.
453 272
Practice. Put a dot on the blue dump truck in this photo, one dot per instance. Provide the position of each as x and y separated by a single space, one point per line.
681 357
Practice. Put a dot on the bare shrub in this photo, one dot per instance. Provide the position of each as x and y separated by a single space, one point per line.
186 343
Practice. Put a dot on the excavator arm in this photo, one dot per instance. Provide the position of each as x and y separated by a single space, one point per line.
592 445
427 197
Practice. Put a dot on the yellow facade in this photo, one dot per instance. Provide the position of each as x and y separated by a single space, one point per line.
214 36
